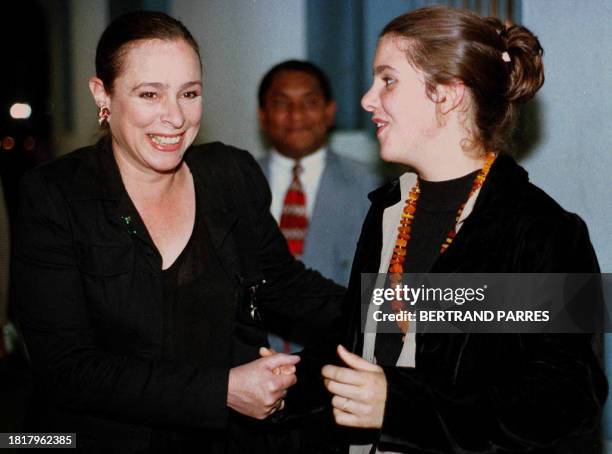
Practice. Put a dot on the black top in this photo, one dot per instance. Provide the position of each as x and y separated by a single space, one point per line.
189 295
183 302
184 305
191 291
435 216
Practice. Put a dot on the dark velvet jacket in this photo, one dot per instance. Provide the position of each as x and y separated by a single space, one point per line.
482 393
88 290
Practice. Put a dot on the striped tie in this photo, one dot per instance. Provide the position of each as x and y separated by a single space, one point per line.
293 221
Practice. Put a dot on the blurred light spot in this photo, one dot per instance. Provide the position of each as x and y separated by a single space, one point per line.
29 143
20 111
8 143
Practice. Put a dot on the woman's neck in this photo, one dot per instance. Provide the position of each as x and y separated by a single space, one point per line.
447 157
142 185
445 166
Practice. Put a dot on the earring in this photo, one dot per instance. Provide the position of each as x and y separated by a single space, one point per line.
103 115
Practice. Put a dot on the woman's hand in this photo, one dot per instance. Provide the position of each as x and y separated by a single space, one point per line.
266 352
360 391
256 390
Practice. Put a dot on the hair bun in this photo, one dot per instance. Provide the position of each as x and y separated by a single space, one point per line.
527 69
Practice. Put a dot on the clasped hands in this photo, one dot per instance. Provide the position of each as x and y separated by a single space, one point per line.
257 389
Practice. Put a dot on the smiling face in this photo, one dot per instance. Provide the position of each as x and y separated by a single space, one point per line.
295 116
155 104
405 116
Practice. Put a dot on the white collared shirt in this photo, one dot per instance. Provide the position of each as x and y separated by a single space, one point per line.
281 174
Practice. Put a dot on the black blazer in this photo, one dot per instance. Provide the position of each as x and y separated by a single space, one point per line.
482 393
88 293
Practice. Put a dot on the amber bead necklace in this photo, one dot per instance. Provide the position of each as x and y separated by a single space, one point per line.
396 266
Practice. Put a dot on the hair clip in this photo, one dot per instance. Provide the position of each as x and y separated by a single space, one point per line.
506 56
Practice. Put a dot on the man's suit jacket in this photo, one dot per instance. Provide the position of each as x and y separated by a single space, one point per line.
338 213
88 294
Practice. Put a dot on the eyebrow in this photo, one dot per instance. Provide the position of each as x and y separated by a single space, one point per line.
159 85
381 68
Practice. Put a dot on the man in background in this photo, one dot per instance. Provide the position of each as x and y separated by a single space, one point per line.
319 198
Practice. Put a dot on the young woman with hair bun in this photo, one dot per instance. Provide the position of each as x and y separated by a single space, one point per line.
446 89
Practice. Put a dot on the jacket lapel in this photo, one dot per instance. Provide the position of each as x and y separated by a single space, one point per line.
322 219
495 203
367 257
217 204
97 185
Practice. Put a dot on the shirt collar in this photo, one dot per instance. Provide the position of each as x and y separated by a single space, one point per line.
313 160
